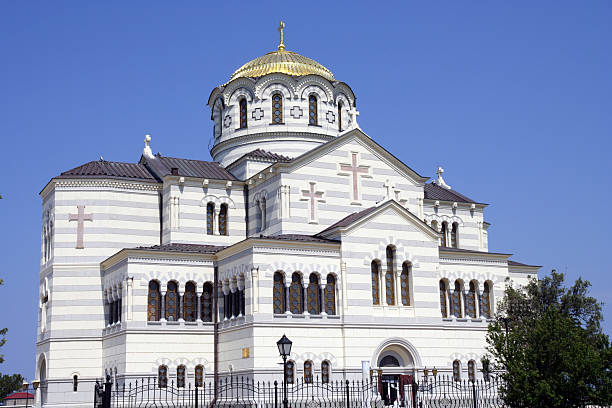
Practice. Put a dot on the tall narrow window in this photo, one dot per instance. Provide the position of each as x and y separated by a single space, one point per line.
223 219
457 370
340 116
308 372
210 218
258 216
207 302
296 296
162 376
199 376
330 295
390 276
75 383
457 298
290 369
172 302
243 113
485 301
189 302
405 283
153 303
314 295
325 372
454 233
443 233
375 282
312 110
180 376
470 301
277 109
279 293
264 213
443 309
472 370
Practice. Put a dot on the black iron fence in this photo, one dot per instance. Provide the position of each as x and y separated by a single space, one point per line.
243 392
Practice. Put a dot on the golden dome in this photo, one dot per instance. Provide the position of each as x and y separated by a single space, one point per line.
282 61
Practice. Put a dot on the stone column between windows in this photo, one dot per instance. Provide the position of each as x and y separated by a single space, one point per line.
107 308
216 221
287 298
322 301
254 291
181 300
382 284
447 299
129 298
305 298
397 283
199 290
477 300
462 300
162 314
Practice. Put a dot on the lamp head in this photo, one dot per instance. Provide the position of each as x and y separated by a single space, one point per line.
35 384
284 346
25 385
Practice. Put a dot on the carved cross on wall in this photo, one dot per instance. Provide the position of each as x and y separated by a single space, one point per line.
80 218
313 196
389 188
356 171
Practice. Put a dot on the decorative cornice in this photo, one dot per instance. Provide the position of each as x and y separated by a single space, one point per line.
244 139
106 183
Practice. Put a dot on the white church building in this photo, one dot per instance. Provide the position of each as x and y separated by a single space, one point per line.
183 269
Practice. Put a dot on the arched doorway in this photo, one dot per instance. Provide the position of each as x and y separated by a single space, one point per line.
395 360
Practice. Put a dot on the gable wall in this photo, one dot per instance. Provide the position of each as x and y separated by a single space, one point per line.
471 234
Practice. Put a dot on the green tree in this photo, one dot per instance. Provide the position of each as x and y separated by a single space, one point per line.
9 384
547 343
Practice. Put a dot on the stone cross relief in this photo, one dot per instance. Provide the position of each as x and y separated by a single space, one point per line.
356 171
313 197
389 186
80 218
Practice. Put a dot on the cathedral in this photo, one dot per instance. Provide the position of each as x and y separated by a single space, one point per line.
186 270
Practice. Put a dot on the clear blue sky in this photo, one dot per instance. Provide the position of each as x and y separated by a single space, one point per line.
513 99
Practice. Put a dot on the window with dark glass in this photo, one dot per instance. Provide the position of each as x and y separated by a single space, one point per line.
325 372
223 219
312 110
180 376
308 372
443 233
454 232
162 376
485 301
314 294
153 303
375 282
456 370
390 276
243 113
207 302
340 116
457 298
443 299
290 369
189 302
210 218
296 304
470 301
199 376
277 109
405 283
172 302
330 295
279 293
75 383
472 370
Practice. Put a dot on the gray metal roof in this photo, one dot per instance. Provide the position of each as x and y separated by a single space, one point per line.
349 219
298 237
435 192
194 168
183 248
103 168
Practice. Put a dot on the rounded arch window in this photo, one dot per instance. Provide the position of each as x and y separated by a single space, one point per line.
243 113
312 110
389 361
277 109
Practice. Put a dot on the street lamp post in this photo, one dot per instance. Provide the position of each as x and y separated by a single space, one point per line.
24 387
284 348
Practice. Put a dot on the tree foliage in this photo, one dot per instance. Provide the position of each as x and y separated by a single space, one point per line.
9 384
547 342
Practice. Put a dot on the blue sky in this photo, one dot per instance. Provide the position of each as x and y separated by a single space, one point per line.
513 99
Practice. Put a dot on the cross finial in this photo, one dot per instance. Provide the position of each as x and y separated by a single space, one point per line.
441 181
281 27
147 149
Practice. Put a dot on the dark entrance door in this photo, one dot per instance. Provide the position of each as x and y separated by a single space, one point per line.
390 388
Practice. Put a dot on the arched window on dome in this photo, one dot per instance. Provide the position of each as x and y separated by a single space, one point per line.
277 109
207 302
189 302
340 116
279 297
243 113
153 302
443 233
314 295
376 282
223 220
405 283
390 276
313 110
210 218
454 235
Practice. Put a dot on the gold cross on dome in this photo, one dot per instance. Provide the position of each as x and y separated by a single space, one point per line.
281 27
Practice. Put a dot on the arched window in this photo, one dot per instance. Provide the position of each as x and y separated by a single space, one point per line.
296 303
153 303
454 234
312 110
390 276
243 113
277 109
330 295
405 283
308 372
180 376
162 376
340 116
457 297
472 370
206 301
199 376
389 361
279 296
172 302
325 372
223 219
210 218
189 302
470 301
457 370
375 282
290 371
314 295
261 214
485 301
443 309
75 383
443 233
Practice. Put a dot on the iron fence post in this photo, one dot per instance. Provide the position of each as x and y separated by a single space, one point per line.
275 394
106 401
348 398
474 394
196 394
